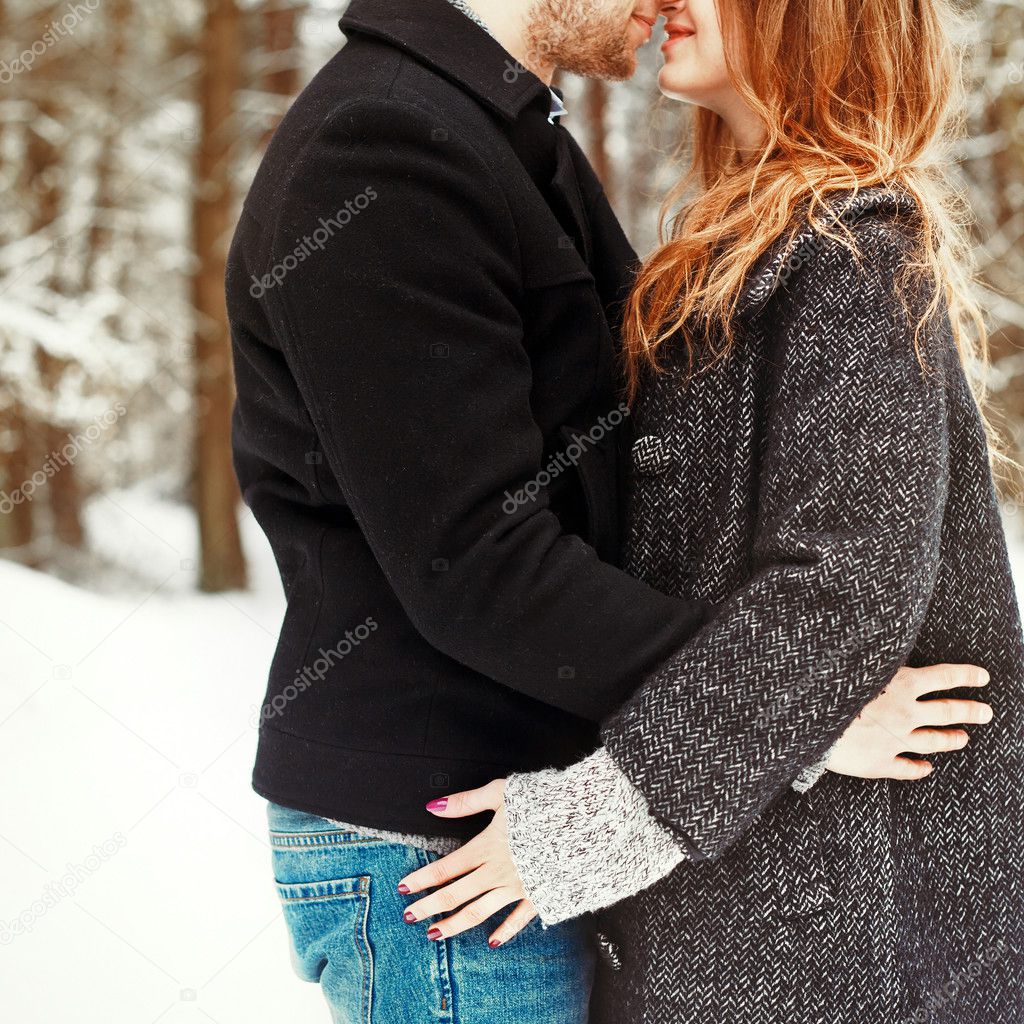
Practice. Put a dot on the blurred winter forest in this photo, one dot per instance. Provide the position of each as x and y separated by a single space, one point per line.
128 135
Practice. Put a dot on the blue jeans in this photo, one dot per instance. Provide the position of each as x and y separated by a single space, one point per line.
344 915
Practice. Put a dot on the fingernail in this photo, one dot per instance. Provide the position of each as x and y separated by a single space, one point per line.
409 917
403 888
494 943
438 805
434 934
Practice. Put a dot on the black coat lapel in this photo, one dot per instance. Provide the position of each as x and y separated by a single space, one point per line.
566 199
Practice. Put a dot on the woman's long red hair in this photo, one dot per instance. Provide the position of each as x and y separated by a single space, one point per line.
852 94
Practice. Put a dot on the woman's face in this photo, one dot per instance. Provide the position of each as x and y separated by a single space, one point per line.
695 69
694 52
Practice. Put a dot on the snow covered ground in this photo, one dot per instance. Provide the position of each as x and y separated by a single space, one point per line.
132 849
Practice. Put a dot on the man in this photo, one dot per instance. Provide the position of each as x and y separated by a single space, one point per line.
421 292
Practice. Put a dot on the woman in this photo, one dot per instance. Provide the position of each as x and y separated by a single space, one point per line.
811 455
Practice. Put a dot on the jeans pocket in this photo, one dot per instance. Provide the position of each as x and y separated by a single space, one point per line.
327 922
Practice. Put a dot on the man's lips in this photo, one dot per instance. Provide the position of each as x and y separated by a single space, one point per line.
675 34
645 24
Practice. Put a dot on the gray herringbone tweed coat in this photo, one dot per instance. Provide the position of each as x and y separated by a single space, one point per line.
837 500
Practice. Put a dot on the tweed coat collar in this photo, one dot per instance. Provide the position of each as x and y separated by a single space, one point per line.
786 255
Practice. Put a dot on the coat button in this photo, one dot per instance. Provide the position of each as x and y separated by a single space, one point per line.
815 896
609 952
651 455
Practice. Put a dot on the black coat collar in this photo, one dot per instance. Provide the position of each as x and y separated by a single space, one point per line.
446 40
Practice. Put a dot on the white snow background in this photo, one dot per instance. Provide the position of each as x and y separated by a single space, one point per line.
126 719
130 714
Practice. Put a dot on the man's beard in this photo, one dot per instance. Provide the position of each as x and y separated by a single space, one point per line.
582 37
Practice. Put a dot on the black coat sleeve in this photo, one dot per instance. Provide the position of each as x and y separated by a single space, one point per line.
405 338
853 486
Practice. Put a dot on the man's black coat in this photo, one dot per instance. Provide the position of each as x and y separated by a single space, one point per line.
420 291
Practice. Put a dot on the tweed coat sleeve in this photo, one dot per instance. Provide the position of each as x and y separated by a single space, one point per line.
407 343
852 486
583 838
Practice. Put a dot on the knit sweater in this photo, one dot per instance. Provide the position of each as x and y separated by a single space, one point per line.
835 497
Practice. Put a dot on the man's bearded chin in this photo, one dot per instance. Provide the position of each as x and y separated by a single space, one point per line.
567 35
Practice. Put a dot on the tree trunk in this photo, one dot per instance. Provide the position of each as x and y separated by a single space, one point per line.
15 514
60 495
280 78
64 490
595 99
1006 166
16 522
222 564
118 15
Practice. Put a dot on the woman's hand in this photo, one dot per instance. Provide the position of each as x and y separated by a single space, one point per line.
898 721
487 877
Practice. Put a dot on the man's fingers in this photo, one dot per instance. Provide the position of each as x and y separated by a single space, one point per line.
945 677
438 872
908 769
937 741
448 897
470 801
953 712
513 924
472 915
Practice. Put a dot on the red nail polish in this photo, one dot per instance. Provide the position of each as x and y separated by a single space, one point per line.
494 943
409 917
403 889
434 934
438 805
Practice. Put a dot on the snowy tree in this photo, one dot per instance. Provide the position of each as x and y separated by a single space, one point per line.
128 134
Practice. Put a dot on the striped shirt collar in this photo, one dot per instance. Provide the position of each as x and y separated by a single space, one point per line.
462 5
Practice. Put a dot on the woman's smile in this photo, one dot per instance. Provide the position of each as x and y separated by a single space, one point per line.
676 34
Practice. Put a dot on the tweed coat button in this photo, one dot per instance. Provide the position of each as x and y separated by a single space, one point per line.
609 952
815 896
651 455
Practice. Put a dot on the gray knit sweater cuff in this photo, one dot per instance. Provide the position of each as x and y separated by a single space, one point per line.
809 776
584 838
